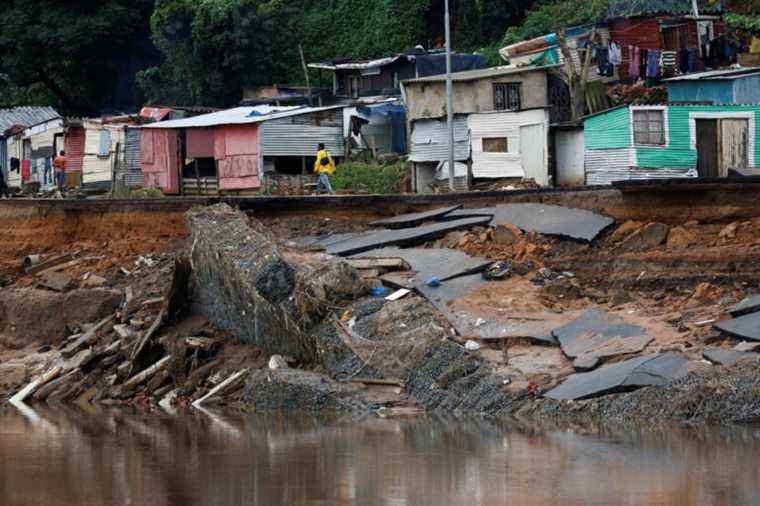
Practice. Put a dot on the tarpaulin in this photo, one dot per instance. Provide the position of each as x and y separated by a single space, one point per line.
435 64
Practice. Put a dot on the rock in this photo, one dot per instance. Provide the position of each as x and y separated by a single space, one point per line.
729 231
645 238
743 327
586 362
680 238
620 297
532 360
624 230
93 281
506 234
656 369
691 223
747 346
56 281
471 346
722 356
277 362
706 292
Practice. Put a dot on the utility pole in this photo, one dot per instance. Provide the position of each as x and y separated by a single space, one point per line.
449 96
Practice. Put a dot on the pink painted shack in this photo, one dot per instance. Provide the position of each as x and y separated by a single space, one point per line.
233 151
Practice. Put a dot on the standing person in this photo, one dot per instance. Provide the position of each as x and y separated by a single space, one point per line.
325 167
60 170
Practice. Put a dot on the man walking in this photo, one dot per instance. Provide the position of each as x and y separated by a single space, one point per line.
325 167
60 170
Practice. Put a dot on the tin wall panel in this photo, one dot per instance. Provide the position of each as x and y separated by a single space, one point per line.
430 140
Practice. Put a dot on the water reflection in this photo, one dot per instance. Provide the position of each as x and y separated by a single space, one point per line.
66 457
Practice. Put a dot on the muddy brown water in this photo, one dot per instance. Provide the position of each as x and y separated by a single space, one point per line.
68 457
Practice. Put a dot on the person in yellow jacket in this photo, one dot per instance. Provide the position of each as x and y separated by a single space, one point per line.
325 167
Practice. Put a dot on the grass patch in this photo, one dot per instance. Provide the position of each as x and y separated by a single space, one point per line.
369 177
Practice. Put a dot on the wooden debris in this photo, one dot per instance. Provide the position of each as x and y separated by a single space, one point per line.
87 339
402 292
53 262
43 392
32 387
140 346
219 388
147 373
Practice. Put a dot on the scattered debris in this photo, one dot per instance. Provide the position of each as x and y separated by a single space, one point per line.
414 219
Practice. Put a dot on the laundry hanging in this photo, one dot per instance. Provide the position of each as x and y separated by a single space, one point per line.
615 54
634 64
653 63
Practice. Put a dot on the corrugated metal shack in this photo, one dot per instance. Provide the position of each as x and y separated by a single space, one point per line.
501 125
29 135
233 150
730 86
676 140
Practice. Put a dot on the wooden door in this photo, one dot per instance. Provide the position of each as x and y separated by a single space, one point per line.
707 148
532 151
734 145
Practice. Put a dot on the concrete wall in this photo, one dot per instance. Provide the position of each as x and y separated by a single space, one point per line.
428 99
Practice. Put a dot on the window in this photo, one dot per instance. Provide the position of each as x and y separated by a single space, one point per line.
495 145
105 143
506 96
649 127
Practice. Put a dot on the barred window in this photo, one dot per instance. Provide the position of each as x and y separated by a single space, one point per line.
649 128
507 96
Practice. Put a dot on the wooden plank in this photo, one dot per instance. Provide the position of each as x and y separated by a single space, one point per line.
219 388
51 263
147 373
32 387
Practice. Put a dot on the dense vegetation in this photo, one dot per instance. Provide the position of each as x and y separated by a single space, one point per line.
90 56
370 177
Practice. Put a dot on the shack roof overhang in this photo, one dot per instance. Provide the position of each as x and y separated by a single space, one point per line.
360 65
474 75
240 116
716 75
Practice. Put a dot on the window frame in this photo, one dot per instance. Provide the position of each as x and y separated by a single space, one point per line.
513 85
483 144
636 141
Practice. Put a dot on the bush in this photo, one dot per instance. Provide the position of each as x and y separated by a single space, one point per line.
370 177
146 193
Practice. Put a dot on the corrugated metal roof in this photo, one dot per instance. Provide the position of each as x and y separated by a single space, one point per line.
471 75
300 140
357 64
725 74
240 116
430 140
26 116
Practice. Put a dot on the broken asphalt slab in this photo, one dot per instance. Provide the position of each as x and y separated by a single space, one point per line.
402 237
414 219
746 306
571 223
648 370
596 335
441 263
744 327
722 356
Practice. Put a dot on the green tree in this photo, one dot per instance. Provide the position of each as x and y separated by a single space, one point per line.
71 50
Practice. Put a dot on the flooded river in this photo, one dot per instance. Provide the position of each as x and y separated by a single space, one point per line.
70 457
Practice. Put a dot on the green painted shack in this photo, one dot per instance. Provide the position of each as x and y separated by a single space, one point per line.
674 140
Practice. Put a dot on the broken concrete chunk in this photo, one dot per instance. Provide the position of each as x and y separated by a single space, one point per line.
93 281
441 263
414 219
506 234
746 306
277 362
729 231
656 369
596 335
402 237
646 238
722 356
571 223
56 281
743 327
748 346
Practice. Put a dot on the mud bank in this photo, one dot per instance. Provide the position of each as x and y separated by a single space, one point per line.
265 324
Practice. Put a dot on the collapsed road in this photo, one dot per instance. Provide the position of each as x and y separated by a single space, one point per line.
527 308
